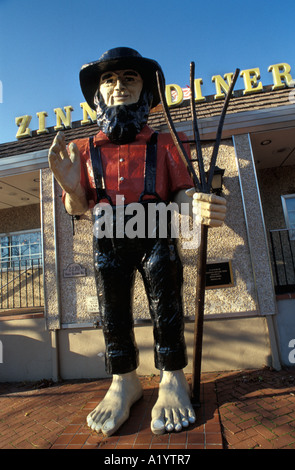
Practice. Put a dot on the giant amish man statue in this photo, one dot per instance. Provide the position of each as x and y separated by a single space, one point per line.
128 162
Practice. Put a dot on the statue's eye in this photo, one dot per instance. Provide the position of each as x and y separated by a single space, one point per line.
107 79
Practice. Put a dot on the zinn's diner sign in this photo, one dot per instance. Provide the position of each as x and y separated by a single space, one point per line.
175 95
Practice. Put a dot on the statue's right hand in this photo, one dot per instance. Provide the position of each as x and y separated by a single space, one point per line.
65 164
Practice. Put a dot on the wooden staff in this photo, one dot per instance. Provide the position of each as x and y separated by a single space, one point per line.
202 185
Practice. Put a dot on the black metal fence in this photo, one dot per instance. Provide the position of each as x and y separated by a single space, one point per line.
21 285
283 260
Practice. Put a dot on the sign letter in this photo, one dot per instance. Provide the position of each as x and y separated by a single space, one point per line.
42 130
250 77
220 84
281 75
179 95
87 111
198 92
63 120
23 122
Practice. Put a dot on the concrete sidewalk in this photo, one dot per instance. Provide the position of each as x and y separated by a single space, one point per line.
240 410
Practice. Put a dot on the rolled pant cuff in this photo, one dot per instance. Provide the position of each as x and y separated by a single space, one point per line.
175 361
121 365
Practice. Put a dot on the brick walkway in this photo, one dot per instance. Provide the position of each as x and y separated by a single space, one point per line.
240 410
257 409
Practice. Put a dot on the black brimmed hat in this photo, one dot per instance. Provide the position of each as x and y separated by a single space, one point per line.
118 59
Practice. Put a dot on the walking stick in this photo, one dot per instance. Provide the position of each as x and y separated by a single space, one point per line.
202 184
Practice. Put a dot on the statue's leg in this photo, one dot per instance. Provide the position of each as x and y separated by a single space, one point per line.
114 276
162 272
115 279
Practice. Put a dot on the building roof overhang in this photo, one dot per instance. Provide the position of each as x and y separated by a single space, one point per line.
268 110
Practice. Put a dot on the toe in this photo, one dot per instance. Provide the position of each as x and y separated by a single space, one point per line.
176 420
191 415
184 422
169 421
158 420
89 421
96 427
158 426
109 427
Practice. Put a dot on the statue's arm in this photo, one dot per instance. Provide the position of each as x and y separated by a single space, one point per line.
208 208
66 167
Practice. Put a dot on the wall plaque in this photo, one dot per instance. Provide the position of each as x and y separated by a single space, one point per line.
75 270
92 304
219 275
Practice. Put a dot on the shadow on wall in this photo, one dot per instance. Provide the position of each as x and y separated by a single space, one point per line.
29 355
233 344
25 358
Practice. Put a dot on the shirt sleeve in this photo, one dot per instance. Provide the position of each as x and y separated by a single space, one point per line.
179 177
83 147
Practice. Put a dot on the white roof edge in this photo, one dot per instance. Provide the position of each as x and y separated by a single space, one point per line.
243 122
24 162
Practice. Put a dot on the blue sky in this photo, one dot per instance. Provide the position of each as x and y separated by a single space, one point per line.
44 44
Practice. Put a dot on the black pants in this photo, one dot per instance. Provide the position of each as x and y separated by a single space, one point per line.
116 261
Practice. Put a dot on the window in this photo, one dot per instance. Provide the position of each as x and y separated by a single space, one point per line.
20 249
21 270
288 202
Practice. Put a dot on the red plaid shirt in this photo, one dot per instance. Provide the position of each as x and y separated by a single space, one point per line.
124 165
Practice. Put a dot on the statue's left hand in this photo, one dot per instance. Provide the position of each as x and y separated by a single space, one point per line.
209 209
65 164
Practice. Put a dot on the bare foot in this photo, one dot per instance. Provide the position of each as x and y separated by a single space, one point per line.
114 409
173 409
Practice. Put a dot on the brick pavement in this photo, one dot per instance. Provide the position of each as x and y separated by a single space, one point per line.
240 410
257 409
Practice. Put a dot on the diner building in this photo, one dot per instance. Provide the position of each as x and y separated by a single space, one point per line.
49 315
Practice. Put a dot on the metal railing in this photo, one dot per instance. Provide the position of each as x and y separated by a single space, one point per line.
283 259
21 284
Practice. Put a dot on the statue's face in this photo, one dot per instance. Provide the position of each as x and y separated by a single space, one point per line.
120 87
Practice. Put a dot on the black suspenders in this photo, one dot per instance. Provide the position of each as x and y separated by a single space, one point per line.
98 172
150 170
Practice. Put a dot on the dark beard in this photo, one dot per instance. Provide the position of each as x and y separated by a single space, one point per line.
122 123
